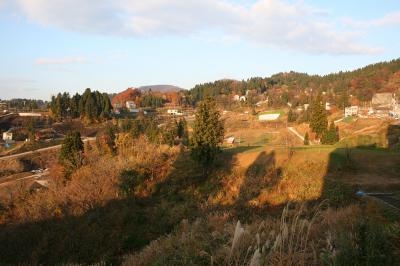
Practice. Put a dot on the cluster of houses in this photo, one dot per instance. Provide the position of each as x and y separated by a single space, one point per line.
382 105
174 112
3 107
238 98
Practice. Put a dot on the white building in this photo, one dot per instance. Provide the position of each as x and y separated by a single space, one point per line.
306 105
242 98
174 112
395 112
30 114
327 106
383 100
230 140
130 105
236 98
268 117
7 136
351 111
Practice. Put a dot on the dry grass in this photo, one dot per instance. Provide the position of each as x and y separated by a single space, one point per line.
277 178
301 236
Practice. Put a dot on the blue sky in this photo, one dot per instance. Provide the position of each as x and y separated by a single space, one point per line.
69 45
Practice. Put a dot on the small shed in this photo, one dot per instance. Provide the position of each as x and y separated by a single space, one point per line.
230 140
7 136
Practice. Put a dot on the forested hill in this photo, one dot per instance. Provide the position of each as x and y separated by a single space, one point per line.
362 83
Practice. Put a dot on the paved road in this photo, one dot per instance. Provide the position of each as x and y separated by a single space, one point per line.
39 150
10 114
34 176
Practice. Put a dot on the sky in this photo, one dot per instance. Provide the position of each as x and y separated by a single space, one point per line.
51 46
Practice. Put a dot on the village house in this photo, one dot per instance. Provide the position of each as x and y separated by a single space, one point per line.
7 136
242 98
382 100
230 140
327 106
395 112
130 105
236 98
351 111
3 106
174 112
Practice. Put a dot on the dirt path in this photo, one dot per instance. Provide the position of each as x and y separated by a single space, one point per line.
297 134
390 200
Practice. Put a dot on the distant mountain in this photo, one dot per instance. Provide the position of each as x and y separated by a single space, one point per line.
160 88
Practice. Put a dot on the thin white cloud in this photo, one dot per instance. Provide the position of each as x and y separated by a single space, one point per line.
60 61
388 20
279 23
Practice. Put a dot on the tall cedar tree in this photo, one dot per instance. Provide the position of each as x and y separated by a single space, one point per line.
71 153
208 134
183 131
319 121
331 135
31 130
306 139
291 116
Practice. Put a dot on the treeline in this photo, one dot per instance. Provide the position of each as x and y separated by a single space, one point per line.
297 88
226 87
174 132
92 106
150 100
26 104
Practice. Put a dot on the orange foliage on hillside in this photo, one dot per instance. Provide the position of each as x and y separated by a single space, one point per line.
130 94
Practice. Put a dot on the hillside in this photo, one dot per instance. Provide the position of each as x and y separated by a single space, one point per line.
294 87
129 94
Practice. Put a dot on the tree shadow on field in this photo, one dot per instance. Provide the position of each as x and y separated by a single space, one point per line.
393 136
262 173
367 168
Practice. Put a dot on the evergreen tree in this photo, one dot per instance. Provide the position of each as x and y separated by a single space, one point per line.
91 108
291 116
71 153
208 134
106 108
337 136
182 131
330 135
31 130
319 121
306 139
83 100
